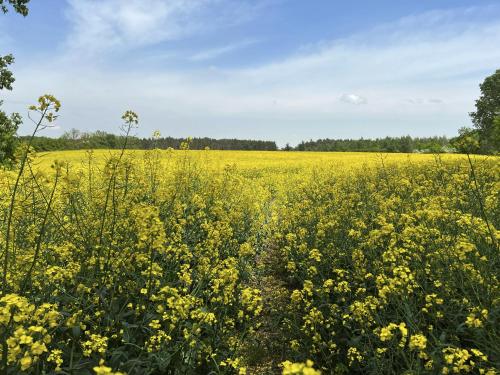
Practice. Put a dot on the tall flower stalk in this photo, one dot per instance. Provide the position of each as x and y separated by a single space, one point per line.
46 110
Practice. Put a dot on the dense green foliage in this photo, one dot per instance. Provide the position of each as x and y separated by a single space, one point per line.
6 76
485 137
387 144
75 140
8 141
8 124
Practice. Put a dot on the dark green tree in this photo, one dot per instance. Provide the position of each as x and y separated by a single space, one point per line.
20 6
495 137
467 141
6 76
9 124
8 129
487 111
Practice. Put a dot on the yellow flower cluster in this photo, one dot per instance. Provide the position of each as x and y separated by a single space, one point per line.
386 333
26 329
55 356
96 344
251 302
105 370
475 319
462 361
306 368
418 341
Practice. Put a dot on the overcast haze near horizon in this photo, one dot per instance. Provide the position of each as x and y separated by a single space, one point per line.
282 70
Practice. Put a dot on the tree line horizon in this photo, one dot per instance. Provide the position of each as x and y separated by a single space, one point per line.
75 139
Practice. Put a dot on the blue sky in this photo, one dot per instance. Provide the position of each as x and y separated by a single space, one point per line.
284 70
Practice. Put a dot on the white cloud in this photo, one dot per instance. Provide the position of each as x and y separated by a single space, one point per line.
353 99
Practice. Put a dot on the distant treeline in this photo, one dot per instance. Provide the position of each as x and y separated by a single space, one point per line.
74 140
387 144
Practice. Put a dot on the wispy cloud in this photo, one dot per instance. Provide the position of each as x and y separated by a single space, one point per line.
213 53
103 25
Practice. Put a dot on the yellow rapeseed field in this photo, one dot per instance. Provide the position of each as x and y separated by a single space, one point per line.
219 262
267 161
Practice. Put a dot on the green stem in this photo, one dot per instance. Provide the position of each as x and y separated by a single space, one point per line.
12 202
40 236
480 200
